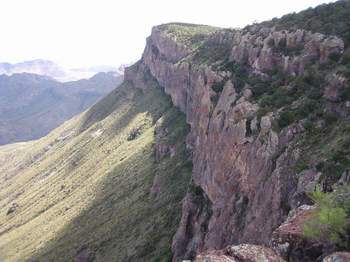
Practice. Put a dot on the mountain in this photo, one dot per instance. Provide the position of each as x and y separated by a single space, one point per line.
51 69
39 67
32 105
220 145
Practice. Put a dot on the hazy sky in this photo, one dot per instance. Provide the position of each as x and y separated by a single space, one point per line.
99 32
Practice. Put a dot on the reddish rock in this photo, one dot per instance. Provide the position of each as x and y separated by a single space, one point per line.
307 182
240 253
242 166
266 49
288 239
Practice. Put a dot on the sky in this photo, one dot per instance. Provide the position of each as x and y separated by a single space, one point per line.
81 33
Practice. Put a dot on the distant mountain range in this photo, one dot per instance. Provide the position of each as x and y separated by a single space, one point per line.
49 68
31 105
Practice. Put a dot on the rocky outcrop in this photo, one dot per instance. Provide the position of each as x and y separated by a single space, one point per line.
84 255
266 49
288 239
12 209
243 180
335 85
307 181
240 253
338 257
163 149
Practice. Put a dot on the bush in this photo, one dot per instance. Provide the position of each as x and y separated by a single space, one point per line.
286 118
195 190
329 221
335 57
218 86
345 94
135 132
215 99
260 86
346 59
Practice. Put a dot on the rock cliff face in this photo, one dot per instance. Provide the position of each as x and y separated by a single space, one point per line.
244 182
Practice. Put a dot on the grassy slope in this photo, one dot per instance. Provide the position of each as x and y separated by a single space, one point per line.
85 187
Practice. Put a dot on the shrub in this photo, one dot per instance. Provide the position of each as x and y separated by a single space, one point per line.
335 57
329 221
302 164
135 132
346 59
286 118
218 86
215 99
330 118
345 94
281 96
195 190
260 86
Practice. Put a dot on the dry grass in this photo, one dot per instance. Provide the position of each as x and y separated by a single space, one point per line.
85 186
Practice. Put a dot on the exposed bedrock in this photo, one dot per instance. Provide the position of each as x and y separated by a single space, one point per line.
243 181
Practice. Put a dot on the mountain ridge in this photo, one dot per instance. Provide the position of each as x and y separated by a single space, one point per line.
55 71
32 105
224 167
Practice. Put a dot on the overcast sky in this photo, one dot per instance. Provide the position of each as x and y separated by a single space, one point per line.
78 33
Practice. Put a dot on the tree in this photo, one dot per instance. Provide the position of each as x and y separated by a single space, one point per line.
329 221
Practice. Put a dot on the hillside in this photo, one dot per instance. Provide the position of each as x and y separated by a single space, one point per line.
94 188
32 105
220 145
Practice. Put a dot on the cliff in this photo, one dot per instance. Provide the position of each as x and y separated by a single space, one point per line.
249 103
248 148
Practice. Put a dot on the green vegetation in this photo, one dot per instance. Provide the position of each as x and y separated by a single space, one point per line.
329 221
296 100
327 146
218 86
135 132
330 19
190 35
86 187
211 52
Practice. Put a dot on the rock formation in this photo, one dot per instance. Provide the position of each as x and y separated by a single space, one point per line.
242 167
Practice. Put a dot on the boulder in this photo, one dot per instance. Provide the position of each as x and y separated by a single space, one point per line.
240 253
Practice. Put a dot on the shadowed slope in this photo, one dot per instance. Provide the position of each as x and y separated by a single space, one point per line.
85 192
